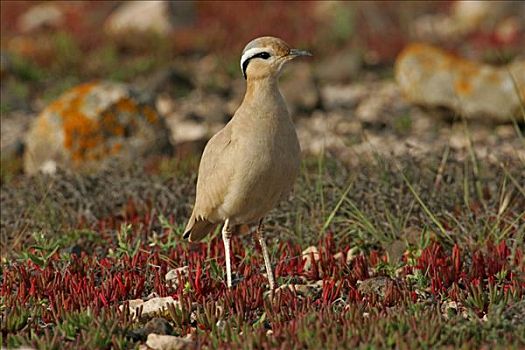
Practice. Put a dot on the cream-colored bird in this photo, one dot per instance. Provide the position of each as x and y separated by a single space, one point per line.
254 160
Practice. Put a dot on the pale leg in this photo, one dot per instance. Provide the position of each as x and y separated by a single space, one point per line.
260 238
226 236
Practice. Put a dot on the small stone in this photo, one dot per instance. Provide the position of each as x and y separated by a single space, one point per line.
352 254
187 131
375 285
150 307
157 325
395 251
339 256
307 256
172 276
449 308
167 342
505 131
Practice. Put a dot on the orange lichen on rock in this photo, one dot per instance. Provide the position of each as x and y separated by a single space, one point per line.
80 132
91 123
463 86
116 148
111 125
150 114
431 76
425 54
126 105
57 106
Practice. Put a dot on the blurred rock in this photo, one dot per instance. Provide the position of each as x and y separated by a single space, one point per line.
471 15
434 28
208 74
12 135
339 67
167 342
466 16
41 16
432 77
342 96
305 98
92 123
509 30
321 132
381 103
154 16
188 131
197 117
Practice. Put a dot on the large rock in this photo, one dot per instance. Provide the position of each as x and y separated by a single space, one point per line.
91 124
432 77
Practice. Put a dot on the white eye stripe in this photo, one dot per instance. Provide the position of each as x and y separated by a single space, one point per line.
250 52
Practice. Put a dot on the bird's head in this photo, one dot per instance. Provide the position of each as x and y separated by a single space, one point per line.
265 56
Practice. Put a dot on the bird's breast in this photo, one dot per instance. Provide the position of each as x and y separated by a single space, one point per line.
266 165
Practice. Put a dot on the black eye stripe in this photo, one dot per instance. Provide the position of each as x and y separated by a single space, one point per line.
264 55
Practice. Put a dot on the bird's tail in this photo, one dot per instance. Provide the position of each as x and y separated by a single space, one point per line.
198 229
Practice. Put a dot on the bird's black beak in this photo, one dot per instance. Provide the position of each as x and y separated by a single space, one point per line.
297 53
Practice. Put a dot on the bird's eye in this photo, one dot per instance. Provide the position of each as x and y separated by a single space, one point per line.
264 55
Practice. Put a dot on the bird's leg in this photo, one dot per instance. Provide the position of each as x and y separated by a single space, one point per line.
260 238
226 236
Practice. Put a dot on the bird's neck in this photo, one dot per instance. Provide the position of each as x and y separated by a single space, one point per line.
263 91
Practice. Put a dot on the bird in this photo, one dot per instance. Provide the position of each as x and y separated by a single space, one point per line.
253 162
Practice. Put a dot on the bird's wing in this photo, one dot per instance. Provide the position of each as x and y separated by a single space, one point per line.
215 174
